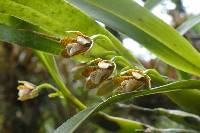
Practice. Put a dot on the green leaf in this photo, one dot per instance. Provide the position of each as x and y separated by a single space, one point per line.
71 124
180 97
187 100
58 16
29 39
188 24
139 24
75 121
150 4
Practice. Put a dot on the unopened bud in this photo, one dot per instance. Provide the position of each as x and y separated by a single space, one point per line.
131 80
27 91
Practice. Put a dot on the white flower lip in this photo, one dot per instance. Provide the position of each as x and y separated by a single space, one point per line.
104 65
72 48
82 40
137 75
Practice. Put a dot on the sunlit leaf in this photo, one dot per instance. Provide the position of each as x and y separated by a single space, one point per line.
141 25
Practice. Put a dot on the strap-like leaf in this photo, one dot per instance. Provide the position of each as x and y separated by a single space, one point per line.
29 39
75 121
70 125
141 25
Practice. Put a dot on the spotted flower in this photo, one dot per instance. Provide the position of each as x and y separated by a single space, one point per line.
131 80
75 44
98 71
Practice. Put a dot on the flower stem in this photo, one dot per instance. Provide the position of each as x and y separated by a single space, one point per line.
47 86
66 93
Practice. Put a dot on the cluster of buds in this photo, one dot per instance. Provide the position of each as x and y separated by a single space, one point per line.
131 80
98 71
27 90
74 44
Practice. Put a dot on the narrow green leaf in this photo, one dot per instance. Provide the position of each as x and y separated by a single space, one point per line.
150 4
75 121
29 39
174 86
70 125
188 24
138 23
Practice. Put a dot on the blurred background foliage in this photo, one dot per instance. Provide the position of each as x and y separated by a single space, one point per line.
42 115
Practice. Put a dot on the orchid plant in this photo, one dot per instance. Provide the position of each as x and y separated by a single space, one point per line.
67 28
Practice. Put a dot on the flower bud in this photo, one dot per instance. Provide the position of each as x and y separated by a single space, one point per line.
98 71
126 84
27 91
131 80
74 45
